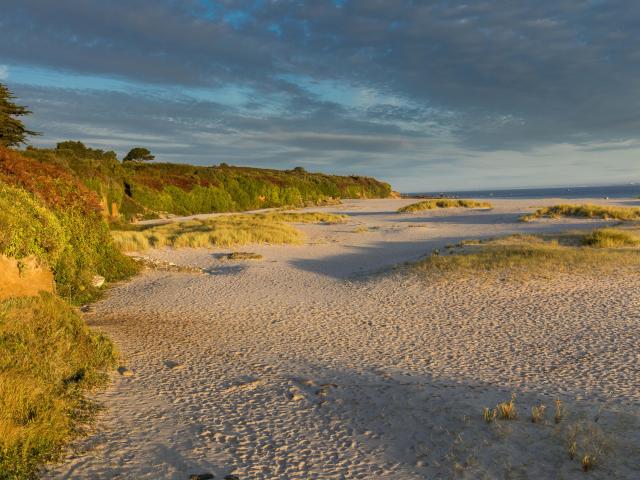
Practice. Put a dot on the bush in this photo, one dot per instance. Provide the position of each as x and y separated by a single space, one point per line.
50 214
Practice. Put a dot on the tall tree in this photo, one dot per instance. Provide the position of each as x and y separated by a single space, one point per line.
138 154
12 130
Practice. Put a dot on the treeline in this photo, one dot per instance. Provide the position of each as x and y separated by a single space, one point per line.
130 190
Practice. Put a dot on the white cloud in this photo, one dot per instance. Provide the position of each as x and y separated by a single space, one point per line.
4 72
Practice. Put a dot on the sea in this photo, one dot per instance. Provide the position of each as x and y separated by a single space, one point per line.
631 190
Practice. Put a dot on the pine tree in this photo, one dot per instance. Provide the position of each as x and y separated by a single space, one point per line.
12 130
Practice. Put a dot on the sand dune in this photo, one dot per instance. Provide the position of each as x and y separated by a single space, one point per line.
321 362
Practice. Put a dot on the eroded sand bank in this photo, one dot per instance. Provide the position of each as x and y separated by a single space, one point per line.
316 362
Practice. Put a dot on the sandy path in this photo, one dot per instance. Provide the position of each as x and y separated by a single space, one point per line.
302 365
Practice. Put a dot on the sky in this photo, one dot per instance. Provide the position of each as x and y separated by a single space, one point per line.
427 95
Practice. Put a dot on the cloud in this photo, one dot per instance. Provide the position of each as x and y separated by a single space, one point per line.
364 84
4 72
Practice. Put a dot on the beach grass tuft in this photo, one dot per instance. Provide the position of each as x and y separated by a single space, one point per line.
443 203
528 256
222 231
584 211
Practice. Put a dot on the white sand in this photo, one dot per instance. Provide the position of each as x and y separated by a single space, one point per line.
308 365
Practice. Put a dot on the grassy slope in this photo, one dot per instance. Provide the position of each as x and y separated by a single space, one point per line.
48 213
48 357
443 203
135 189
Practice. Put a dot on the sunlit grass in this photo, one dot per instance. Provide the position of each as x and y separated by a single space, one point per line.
48 357
443 203
584 211
611 238
223 231
537 255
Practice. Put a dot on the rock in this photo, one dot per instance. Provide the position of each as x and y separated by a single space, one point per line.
173 365
125 372
297 397
97 281
232 477
201 476
86 308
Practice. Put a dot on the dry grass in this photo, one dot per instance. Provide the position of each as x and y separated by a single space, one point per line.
584 211
559 411
588 442
530 256
489 415
48 357
538 413
507 410
222 231
443 203
611 238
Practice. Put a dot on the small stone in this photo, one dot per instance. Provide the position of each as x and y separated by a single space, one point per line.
173 365
297 397
201 476
230 439
125 372
421 463
232 477
97 281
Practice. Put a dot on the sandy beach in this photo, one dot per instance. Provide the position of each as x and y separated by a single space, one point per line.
329 361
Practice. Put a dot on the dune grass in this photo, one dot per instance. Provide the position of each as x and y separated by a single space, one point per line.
611 238
527 256
223 231
443 203
48 357
584 211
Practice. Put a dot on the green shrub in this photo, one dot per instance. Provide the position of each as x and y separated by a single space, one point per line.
47 213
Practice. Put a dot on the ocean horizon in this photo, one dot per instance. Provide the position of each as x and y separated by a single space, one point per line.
608 191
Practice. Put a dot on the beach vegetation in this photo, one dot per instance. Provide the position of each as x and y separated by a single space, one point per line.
222 231
141 190
538 413
443 203
584 211
48 358
507 410
530 256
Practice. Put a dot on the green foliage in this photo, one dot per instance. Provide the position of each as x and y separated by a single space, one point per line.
49 214
27 228
138 154
47 358
443 203
12 130
136 190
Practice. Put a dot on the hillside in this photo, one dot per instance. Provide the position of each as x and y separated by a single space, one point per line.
132 190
